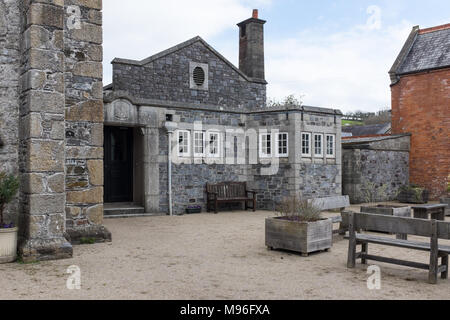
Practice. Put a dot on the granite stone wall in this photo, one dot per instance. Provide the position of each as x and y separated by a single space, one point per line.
168 79
10 62
272 179
379 168
83 114
42 137
51 114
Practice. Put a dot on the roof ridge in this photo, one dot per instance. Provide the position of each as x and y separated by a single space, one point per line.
181 46
435 28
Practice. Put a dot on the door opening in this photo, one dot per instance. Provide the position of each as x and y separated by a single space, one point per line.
118 166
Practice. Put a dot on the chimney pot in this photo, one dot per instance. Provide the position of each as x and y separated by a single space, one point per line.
255 13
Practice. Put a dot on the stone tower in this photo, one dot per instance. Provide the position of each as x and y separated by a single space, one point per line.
251 47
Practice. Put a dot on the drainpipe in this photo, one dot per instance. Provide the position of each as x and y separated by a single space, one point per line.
170 127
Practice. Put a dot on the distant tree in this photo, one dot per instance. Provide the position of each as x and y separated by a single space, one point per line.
289 101
383 116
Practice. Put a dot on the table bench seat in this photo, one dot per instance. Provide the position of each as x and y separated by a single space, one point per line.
432 229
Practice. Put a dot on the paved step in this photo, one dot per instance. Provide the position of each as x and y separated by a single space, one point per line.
125 216
122 210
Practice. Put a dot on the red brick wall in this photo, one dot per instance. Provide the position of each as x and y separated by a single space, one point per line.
421 106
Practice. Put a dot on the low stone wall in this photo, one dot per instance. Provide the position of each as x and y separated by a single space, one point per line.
377 168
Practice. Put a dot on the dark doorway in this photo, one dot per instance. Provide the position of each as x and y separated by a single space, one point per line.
118 164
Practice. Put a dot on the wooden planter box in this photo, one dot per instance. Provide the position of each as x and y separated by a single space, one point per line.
396 211
410 196
191 211
446 200
303 237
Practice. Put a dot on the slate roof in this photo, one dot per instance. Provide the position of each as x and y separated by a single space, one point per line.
430 51
424 50
357 131
360 141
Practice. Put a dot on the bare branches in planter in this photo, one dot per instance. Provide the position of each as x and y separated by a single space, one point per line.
299 227
9 185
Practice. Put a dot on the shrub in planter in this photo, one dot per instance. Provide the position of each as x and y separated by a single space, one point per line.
9 185
299 227
413 194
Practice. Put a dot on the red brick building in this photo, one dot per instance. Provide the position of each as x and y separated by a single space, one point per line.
421 105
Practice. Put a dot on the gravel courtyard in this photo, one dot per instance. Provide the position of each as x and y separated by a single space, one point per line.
209 256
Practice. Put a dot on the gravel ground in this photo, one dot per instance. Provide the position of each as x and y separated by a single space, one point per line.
209 256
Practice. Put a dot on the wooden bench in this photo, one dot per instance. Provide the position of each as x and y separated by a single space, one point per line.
226 192
332 203
419 227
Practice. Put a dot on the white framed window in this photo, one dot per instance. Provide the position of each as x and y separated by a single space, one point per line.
213 144
199 143
331 145
265 145
184 145
318 145
282 147
306 144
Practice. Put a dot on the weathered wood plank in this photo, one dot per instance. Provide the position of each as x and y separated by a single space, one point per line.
329 203
434 254
444 274
397 261
423 246
351 260
412 226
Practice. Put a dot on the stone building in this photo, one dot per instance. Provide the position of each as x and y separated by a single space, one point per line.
60 139
224 131
421 105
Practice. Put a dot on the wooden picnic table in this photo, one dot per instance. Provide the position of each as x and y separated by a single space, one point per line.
433 211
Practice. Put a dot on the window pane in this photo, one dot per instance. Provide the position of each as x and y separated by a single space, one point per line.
306 144
318 144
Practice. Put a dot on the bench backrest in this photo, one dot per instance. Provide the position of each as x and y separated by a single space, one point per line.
397 225
328 203
228 190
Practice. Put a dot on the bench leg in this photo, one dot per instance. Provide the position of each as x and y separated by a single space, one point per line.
365 250
342 230
444 275
254 204
216 205
351 259
434 254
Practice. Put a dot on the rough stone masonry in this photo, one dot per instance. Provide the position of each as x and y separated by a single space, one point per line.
52 121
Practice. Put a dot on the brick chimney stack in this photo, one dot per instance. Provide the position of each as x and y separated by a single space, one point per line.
251 47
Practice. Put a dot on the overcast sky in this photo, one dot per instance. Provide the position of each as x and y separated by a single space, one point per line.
330 53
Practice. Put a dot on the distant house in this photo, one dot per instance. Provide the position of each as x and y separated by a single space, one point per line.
420 88
369 130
